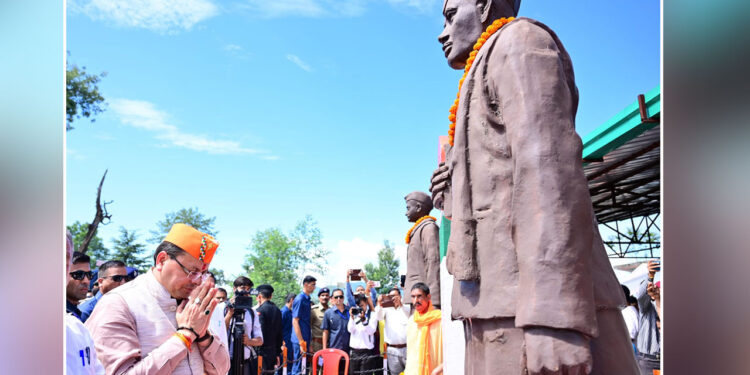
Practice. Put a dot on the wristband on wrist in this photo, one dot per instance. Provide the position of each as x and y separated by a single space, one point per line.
189 329
184 339
204 337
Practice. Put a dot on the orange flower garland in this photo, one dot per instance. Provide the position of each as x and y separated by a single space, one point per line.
421 219
491 29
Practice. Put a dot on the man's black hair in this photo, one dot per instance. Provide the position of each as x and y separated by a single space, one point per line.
110 264
79 257
170 248
243 281
632 301
309 279
625 290
265 293
222 290
396 289
359 298
337 289
421 286
289 297
212 275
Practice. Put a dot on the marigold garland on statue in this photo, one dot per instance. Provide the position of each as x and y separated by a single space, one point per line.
421 219
491 29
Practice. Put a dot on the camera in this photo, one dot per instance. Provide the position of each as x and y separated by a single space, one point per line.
356 310
243 300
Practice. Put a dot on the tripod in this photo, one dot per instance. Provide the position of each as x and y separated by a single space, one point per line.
238 348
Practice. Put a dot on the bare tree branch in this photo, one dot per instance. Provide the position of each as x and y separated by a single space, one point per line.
102 216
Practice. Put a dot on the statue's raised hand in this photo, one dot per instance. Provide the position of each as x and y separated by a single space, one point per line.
439 183
552 351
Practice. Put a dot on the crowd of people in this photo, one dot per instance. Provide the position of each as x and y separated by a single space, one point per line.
172 319
643 319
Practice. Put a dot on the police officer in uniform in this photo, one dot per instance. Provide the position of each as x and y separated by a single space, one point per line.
270 324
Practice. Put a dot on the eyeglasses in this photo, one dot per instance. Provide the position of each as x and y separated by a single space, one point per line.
117 278
79 275
338 297
194 276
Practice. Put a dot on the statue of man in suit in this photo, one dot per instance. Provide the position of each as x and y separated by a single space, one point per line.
532 281
423 251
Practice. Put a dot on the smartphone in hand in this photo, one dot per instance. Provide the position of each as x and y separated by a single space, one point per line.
657 269
387 301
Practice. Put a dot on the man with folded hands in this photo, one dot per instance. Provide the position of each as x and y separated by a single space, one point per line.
158 324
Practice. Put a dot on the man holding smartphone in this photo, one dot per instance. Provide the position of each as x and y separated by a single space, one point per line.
396 317
648 339
355 275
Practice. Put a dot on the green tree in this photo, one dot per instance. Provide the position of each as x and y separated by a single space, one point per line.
387 269
189 216
282 259
82 96
221 278
128 250
96 249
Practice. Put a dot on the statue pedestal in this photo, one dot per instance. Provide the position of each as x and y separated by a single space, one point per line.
454 343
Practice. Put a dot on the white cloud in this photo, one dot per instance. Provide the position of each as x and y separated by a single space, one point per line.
236 51
232 47
305 8
141 114
420 5
156 15
73 154
144 115
297 61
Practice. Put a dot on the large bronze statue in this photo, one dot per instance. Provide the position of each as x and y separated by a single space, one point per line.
423 251
533 284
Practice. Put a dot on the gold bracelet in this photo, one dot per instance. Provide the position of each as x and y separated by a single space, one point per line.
184 339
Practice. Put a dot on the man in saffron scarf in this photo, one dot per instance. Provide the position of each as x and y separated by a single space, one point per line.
424 338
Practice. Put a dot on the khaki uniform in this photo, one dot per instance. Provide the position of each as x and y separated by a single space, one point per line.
316 320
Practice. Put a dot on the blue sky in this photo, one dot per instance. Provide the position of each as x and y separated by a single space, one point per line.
259 112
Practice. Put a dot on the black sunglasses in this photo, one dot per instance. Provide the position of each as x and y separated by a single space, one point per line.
338 297
79 275
118 278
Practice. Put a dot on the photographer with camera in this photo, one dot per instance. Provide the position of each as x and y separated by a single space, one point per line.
362 326
239 317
